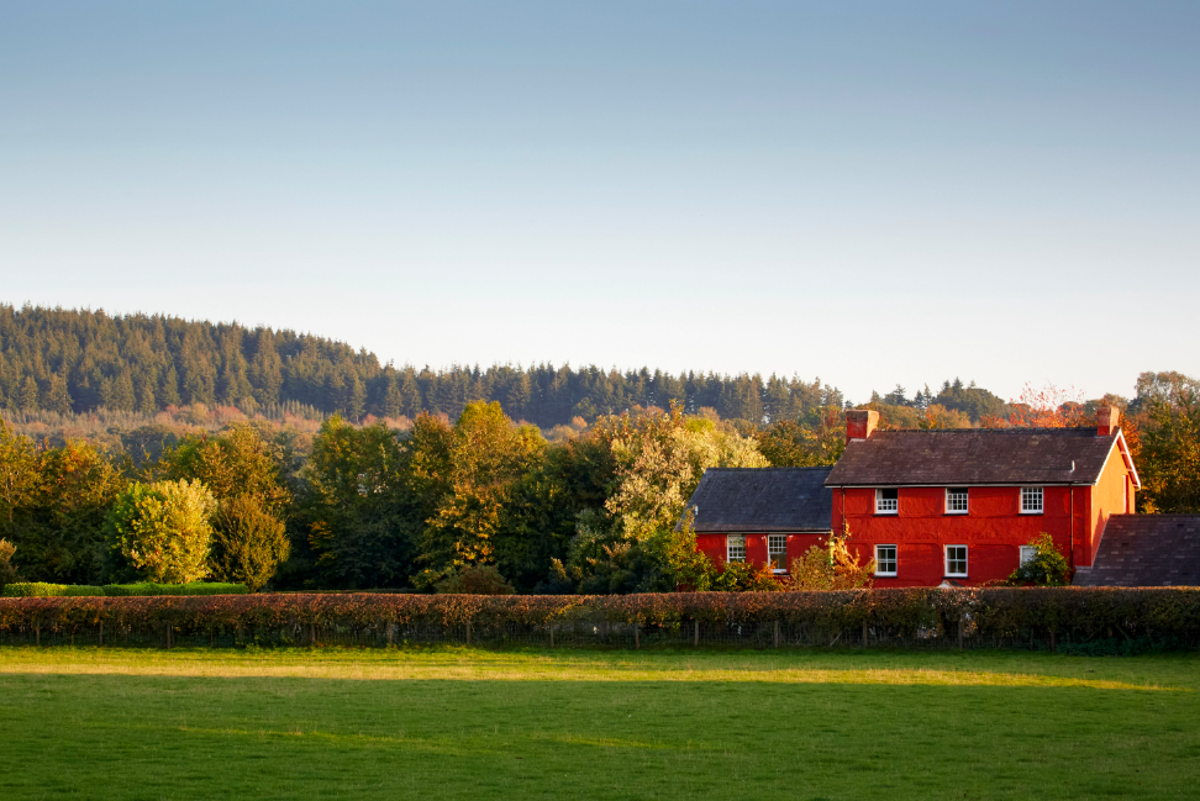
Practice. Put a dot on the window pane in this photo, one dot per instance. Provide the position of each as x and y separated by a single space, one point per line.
736 548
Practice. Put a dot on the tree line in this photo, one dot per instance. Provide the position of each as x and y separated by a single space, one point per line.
441 504
72 361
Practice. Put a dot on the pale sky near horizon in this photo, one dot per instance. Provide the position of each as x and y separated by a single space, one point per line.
873 193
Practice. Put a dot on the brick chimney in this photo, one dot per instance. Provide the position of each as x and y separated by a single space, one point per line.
860 423
1108 421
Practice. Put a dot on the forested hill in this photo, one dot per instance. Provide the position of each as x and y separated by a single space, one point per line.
78 361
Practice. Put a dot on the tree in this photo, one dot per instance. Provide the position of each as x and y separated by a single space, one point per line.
19 476
1170 453
488 456
8 573
832 567
249 543
162 531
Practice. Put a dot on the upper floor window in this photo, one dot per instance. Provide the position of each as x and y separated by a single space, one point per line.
777 552
735 548
885 560
1031 501
887 501
956 561
956 500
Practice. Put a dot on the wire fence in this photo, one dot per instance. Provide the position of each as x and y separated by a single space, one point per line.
575 635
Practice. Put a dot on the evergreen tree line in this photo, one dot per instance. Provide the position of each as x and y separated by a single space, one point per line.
72 361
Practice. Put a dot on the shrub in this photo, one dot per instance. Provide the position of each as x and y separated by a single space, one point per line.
197 588
39 589
1048 567
475 580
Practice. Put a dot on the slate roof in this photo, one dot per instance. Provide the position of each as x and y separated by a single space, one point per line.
973 456
1146 551
763 499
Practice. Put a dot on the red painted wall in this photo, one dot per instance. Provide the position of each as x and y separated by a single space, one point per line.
713 546
993 530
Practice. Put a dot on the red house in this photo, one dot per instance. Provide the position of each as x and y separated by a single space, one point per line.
761 515
961 504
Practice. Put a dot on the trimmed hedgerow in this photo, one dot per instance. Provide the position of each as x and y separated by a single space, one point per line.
999 616
40 589
195 588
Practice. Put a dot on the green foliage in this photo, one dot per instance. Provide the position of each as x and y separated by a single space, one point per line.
830 568
39 589
149 588
248 543
1170 452
8 573
162 530
367 498
475 580
1048 568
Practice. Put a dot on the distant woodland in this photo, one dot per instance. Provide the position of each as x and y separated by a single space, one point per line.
71 362
323 469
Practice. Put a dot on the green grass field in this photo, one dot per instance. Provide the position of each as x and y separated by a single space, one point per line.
94 723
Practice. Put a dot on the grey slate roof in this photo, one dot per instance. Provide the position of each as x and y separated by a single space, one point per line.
763 499
1146 551
973 456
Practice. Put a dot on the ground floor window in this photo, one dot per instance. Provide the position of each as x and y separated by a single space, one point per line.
777 552
885 560
735 548
956 561
1028 554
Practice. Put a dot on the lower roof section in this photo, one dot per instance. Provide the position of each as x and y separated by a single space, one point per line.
1146 551
762 499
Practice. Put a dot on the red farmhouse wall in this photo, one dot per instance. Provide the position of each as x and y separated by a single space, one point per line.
713 546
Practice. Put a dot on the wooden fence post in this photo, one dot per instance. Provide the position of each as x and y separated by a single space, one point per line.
697 642
776 633
37 634
102 633
864 634
637 641
468 632
962 624
551 635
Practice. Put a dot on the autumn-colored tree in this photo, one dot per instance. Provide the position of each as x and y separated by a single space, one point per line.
8 572
19 476
488 455
249 543
163 530
1049 407
1170 455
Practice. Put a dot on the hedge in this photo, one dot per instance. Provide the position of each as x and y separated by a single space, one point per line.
980 617
40 589
37 589
195 588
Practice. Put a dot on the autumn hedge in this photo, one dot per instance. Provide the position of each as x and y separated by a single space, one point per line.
998 616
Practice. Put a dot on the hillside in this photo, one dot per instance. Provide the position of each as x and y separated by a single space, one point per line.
73 361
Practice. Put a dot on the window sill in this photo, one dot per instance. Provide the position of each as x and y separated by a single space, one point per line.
956 514
887 514
885 575
955 576
1039 512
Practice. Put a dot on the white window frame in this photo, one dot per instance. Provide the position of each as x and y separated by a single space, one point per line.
887 506
1028 495
895 560
964 560
772 541
1025 555
733 541
966 500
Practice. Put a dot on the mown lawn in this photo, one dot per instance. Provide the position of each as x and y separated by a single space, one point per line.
448 723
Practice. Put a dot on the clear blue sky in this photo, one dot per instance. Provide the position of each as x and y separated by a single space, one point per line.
875 193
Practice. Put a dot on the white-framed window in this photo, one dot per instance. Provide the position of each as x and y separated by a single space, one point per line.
887 501
1031 501
777 552
885 560
956 500
956 561
735 548
1028 554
